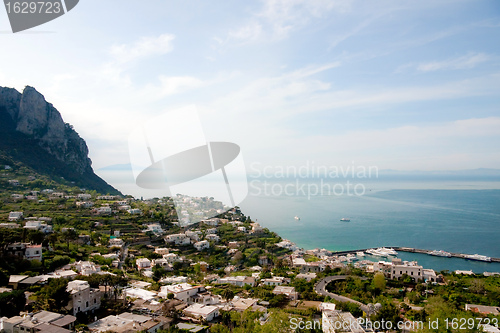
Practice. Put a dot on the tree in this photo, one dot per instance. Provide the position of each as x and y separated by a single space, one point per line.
69 235
228 294
53 296
11 303
379 281
53 238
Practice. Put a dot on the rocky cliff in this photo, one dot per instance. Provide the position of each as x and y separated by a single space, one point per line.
32 130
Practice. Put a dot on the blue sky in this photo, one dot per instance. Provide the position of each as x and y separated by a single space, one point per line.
396 84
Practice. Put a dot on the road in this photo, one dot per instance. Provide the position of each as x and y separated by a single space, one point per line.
320 288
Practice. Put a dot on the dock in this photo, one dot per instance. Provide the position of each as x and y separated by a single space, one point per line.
413 250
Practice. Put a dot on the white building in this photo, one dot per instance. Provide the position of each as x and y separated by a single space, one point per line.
134 211
172 257
83 298
84 204
212 238
155 228
242 229
193 234
162 250
86 267
143 264
287 291
178 239
275 281
183 291
199 311
202 245
15 216
239 281
116 242
33 252
104 210
211 231
212 222
84 196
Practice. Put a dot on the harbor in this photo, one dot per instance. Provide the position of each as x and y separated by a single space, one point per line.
414 250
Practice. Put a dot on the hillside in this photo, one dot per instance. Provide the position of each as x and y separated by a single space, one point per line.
33 133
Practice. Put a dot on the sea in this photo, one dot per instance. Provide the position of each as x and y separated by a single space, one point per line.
458 213
459 216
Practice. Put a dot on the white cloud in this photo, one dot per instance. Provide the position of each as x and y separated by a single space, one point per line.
170 85
145 47
278 18
468 61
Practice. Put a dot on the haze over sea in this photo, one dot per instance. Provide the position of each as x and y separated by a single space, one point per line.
456 212
459 215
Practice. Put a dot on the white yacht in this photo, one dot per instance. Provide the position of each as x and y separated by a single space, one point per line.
440 253
360 254
477 257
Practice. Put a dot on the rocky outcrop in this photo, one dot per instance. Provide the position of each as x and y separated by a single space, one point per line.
31 117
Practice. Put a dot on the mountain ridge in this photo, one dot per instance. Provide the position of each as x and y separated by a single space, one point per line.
33 132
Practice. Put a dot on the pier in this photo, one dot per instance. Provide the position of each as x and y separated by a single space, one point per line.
413 250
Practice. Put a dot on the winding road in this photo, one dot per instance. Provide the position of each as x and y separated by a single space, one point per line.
320 288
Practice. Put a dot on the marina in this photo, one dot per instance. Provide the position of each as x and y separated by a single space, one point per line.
377 252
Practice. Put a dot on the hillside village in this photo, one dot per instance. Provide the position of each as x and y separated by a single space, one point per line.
76 260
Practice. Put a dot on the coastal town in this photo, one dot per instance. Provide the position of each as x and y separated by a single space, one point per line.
74 260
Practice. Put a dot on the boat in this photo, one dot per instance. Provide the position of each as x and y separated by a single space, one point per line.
297 218
360 254
376 252
477 257
345 219
440 253
388 251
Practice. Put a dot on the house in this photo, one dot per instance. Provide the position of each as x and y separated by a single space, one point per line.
212 238
33 252
263 261
172 257
84 196
84 204
134 211
200 311
116 242
178 239
242 229
143 264
129 322
14 182
256 228
214 222
233 245
83 298
194 235
307 276
124 207
287 291
397 268
211 231
15 216
202 245
41 321
104 210
174 279
9 225
162 250
182 291
239 281
86 267
483 309
17 197
275 281
155 228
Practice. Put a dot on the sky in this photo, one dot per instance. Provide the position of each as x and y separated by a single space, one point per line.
404 85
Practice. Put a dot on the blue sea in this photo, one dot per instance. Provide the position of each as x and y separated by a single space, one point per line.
455 216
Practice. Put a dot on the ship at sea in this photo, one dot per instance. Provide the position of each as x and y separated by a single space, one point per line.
345 219
477 257
440 253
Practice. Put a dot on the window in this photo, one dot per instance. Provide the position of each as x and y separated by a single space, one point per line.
95 300
87 304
